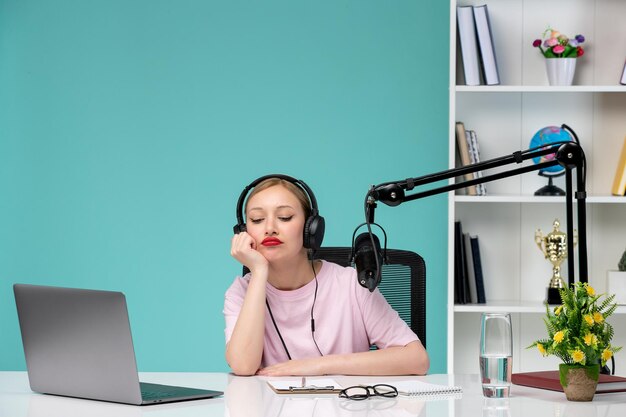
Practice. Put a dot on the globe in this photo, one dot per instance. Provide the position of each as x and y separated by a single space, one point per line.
545 137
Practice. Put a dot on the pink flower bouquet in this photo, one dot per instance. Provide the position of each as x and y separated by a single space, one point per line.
557 45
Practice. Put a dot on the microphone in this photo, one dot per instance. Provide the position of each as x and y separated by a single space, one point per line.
368 260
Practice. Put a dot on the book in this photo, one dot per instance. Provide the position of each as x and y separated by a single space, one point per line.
485 43
550 380
474 151
478 271
420 388
469 44
623 79
619 183
305 385
464 155
459 265
469 262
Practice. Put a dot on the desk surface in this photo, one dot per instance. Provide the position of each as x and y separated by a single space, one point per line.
251 397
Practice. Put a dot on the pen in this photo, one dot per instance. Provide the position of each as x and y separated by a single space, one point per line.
313 388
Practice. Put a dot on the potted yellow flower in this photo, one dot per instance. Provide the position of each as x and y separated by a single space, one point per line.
580 336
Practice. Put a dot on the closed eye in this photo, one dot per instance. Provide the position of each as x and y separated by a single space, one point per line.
256 221
285 218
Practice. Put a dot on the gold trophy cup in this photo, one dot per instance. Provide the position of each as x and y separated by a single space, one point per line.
554 247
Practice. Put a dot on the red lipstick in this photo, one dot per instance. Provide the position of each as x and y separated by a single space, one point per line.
271 241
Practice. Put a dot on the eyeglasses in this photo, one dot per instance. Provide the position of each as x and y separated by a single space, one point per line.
376 405
363 392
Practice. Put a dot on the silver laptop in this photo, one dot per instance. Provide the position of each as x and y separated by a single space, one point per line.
78 343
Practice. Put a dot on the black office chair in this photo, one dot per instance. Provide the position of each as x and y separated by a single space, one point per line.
403 283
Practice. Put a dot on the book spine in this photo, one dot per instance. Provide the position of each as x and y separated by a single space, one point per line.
469 45
459 264
619 182
475 149
464 155
469 262
470 137
478 271
485 41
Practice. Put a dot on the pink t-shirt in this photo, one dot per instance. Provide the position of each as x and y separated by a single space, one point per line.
348 318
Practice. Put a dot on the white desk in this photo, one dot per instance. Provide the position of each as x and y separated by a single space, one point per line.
251 397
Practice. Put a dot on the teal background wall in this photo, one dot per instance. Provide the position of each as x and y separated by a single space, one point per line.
129 128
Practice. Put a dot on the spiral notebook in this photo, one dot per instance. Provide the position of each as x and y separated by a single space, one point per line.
415 388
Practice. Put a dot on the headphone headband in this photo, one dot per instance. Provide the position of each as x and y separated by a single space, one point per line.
314 226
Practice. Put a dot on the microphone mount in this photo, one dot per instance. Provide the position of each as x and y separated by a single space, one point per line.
569 155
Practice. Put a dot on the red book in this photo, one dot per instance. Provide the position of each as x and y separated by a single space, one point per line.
550 380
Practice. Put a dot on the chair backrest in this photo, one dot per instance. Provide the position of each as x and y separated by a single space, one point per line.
403 283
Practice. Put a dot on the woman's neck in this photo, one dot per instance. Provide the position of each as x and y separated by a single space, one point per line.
293 275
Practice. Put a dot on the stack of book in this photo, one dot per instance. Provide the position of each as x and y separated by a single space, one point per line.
468 153
468 272
477 48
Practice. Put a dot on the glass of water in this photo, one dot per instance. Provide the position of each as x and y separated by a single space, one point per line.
496 354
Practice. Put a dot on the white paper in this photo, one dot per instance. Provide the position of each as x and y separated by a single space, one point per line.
285 384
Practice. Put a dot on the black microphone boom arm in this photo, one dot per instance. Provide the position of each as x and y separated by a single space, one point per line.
570 155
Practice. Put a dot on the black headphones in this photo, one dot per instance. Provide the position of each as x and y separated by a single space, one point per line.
314 224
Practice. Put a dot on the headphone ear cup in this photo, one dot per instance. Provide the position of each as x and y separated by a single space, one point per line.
314 232
240 227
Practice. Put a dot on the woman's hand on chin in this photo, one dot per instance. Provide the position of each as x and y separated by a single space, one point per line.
244 249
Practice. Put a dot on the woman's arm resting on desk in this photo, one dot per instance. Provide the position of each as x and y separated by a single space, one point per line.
244 350
411 359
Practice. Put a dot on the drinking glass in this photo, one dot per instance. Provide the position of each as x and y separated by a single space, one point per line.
496 354
496 407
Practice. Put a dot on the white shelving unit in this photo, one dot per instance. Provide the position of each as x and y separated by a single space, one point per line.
505 118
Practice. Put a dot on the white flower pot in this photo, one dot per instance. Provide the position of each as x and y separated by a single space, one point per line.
561 70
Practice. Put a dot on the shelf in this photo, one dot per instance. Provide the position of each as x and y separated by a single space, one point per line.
534 199
540 89
509 306
504 118
512 306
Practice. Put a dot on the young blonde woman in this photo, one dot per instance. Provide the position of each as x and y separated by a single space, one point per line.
294 316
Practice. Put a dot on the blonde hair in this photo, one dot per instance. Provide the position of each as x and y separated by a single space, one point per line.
298 192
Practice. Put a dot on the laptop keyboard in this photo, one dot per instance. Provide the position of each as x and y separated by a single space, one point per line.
151 392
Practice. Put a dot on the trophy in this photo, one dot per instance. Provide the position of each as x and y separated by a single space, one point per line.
554 247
